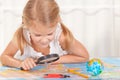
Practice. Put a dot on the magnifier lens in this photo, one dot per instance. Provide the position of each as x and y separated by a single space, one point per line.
48 59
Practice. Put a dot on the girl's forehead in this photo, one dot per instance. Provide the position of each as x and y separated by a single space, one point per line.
42 29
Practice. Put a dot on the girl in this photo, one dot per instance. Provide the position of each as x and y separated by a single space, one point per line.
42 33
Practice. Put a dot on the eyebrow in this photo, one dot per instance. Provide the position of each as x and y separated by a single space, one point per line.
46 34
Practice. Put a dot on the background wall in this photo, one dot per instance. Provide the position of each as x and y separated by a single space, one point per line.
95 23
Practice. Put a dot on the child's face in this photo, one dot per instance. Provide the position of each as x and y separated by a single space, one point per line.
42 35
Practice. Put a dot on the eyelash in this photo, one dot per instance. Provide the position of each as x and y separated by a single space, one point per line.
38 35
47 34
50 34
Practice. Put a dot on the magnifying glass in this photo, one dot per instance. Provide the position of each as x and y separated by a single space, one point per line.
46 59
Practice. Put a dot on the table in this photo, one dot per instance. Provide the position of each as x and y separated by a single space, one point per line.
111 71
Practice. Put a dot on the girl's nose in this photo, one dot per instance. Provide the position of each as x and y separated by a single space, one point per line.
44 41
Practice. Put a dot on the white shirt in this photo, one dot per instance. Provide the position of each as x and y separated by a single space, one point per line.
55 47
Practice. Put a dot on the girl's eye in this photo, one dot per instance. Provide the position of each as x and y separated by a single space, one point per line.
50 34
37 35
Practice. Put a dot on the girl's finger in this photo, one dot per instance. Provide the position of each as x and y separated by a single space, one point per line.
26 66
31 63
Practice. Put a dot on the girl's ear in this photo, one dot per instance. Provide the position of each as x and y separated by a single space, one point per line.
59 19
22 20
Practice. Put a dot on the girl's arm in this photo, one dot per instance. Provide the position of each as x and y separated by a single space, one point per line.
7 58
78 52
8 54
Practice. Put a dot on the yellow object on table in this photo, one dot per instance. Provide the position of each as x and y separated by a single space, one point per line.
77 73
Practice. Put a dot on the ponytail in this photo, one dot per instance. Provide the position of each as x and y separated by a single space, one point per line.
19 39
68 36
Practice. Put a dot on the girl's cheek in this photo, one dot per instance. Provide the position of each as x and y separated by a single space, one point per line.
35 39
51 38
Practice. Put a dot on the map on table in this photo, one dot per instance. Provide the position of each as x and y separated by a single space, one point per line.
111 71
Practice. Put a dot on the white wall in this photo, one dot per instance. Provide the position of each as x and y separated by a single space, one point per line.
95 23
10 19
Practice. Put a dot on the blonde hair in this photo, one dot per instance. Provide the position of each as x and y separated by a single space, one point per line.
45 12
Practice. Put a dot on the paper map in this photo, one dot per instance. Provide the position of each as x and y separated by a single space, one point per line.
111 71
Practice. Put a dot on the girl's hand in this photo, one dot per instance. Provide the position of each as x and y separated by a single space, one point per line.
27 64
